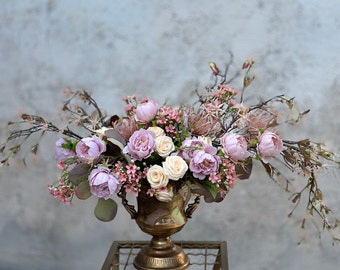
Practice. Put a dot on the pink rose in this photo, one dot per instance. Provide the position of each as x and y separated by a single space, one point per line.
88 149
103 183
141 144
62 153
234 146
269 145
145 112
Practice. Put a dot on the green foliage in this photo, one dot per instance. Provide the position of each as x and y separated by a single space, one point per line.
69 144
106 210
83 190
79 173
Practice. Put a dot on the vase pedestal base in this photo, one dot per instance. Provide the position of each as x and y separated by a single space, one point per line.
161 253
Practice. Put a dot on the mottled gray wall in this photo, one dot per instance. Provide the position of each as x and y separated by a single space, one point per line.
162 49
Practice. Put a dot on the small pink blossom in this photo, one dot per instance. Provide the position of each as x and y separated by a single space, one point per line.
132 190
233 102
170 128
168 116
145 112
269 145
131 169
128 108
150 192
62 191
61 165
89 149
228 89
229 171
234 146
122 177
215 178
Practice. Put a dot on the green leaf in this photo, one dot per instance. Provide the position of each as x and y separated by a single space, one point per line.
69 144
83 190
206 189
106 210
79 173
210 187
115 138
243 171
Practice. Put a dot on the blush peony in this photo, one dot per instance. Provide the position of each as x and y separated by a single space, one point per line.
204 162
61 153
145 112
89 149
189 146
269 145
141 144
103 183
234 146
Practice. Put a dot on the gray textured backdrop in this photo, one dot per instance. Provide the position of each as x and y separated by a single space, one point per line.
162 49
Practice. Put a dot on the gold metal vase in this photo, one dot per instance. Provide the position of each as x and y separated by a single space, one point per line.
161 220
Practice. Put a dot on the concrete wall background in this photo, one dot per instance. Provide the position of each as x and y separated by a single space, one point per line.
162 49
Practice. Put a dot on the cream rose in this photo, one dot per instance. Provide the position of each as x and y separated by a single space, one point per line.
164 196
206 140
164 146
157 131
156 177
175 167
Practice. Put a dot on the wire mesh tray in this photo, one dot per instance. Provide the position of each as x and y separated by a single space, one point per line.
202 254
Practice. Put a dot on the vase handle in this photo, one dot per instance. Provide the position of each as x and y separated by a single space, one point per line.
192 207
129 208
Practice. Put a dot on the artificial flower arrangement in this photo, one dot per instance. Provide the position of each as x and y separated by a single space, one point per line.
203 148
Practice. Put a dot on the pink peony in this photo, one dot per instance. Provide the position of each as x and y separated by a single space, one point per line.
189 146
269 145
204 162
88 149
141 144
234 146
62 153
145 112
103 183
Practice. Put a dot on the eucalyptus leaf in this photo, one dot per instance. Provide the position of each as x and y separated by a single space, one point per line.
205 189
106 210
79 173
210 187
244 171
83 190
114 137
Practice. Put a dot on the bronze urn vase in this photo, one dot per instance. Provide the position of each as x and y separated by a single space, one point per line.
161 220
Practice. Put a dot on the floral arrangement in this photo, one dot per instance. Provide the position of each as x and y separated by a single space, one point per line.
203 148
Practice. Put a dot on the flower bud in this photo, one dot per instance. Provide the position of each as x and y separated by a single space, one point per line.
214 68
